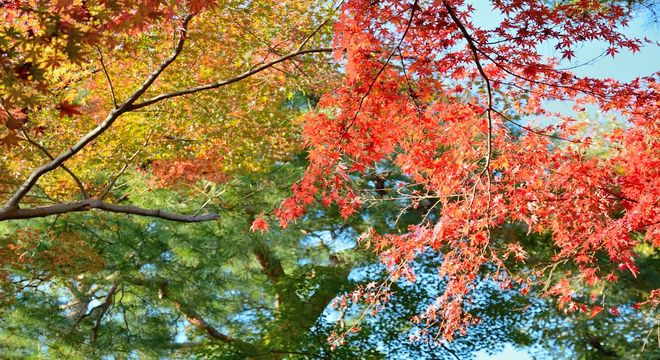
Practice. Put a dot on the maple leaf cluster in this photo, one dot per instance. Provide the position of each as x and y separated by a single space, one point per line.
454 105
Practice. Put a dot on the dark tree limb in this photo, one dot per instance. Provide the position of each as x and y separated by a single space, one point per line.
109 298
89 204
190 314
107 77
475 54
198 321
270 264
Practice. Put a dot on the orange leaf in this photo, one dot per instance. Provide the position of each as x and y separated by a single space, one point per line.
595 310
67 109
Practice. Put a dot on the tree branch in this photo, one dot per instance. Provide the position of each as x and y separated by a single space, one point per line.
190 315
380 71
88 204
475 55
270 264
272 268
112 182
154 75
196 320
508 119
221 83
104 308
318 28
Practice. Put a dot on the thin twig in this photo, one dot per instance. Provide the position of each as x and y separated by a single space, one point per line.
506 118
413 96
107 189
107 77
318 28
75 178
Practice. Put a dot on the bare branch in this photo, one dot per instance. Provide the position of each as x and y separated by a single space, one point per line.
89 204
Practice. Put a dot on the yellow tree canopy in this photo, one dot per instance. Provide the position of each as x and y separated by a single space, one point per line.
185 90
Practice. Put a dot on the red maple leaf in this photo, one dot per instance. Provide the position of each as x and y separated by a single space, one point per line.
259 224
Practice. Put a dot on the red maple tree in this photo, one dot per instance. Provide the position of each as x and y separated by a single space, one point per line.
453 105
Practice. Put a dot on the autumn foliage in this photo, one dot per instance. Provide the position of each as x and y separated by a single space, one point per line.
462 110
